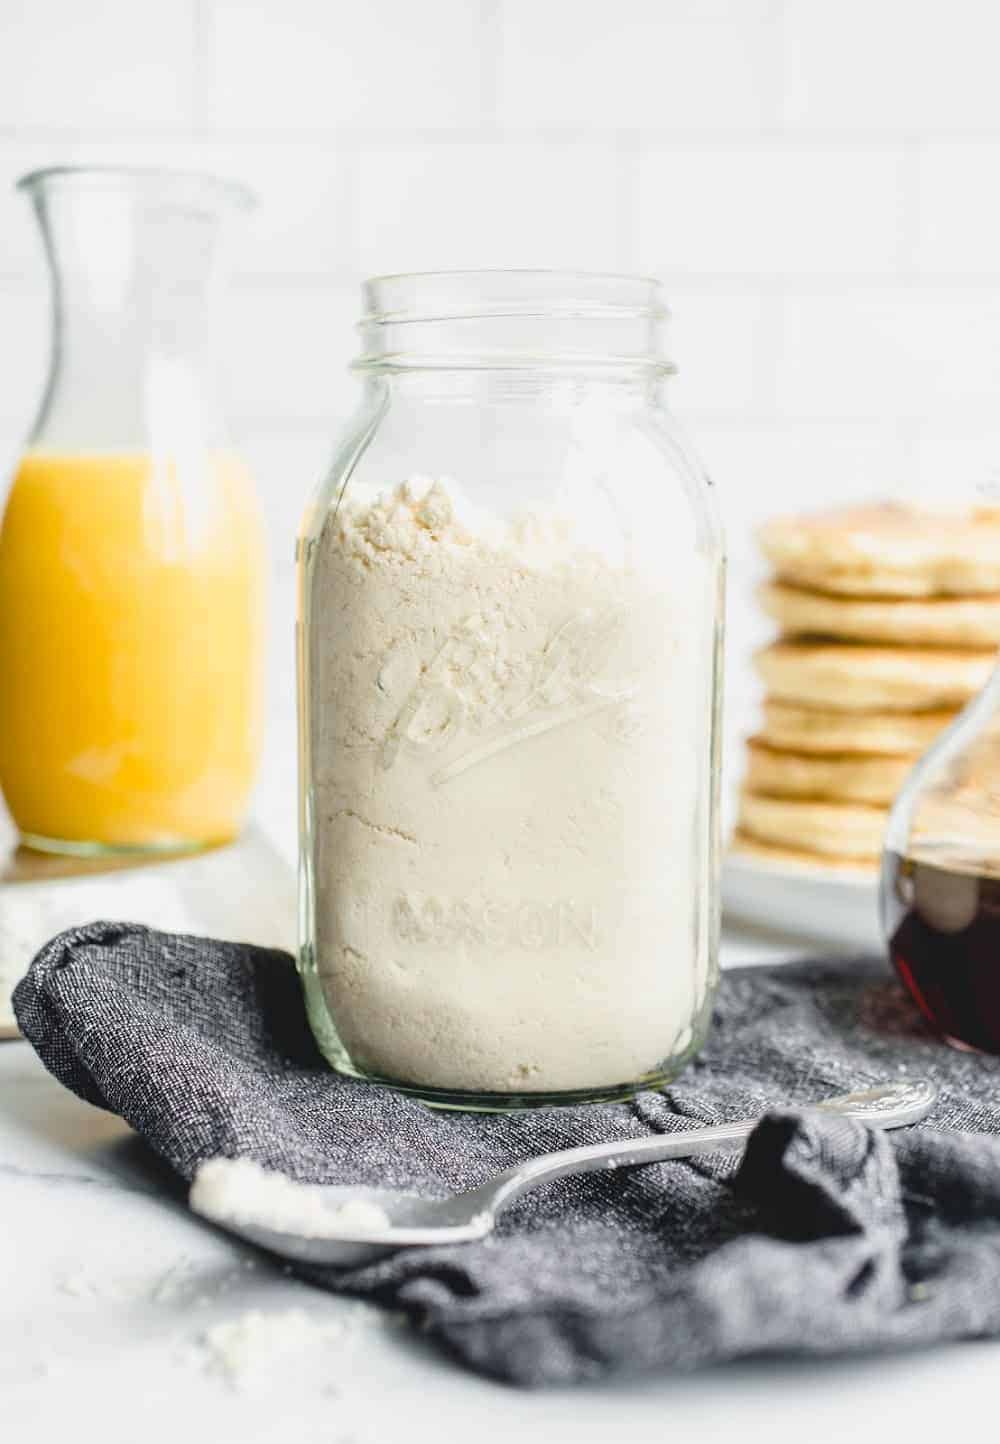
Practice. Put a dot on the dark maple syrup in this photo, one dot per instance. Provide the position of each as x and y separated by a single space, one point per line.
943 929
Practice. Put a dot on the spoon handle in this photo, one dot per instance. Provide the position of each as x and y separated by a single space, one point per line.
891 1105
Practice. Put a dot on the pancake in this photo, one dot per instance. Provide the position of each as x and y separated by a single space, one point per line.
849 777
856 678
920 621
888 550
819 730
742 845
835 829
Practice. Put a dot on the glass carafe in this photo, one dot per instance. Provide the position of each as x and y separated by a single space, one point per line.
940 891
510 622
132 566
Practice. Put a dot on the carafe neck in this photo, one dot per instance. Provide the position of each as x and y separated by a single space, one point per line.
133 261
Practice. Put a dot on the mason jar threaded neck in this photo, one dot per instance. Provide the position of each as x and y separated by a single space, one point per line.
513 320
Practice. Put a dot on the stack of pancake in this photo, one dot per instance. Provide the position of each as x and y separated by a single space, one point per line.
889 619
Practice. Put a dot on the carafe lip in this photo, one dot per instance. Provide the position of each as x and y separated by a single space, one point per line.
187 188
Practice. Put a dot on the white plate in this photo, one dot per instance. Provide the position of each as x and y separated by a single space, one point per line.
832 905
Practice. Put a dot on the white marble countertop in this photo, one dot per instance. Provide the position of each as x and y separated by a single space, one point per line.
108 1287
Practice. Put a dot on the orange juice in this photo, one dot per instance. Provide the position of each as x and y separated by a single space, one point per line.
131 649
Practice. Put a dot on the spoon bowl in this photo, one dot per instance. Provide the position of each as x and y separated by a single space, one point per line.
413 1221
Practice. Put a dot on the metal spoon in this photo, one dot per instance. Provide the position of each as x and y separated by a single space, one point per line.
465 1217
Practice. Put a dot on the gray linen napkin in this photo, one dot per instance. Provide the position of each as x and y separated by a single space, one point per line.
825 1238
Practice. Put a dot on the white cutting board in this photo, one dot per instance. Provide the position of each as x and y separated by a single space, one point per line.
244 892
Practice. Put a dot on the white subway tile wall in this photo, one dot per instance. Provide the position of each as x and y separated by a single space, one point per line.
680 66
904 68
771 208
815 183
110 65
293 67
504 202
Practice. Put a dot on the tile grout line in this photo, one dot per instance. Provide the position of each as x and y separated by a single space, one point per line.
201 67
775 285
909 212
768 346
797 138
775 66
627 200
490 61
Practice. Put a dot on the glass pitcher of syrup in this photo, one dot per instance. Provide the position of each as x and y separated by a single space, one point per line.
132 561
940 886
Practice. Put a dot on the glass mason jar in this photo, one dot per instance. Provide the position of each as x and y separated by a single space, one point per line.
509 646
940 888
132 563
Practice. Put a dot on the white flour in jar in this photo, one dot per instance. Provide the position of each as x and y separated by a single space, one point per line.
508 745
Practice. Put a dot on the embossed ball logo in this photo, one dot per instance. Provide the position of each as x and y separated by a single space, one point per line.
471 694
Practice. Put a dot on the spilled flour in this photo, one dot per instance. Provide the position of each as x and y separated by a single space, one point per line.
290 1352
256 1349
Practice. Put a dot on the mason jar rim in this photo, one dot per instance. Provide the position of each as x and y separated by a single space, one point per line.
512 320
473 293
